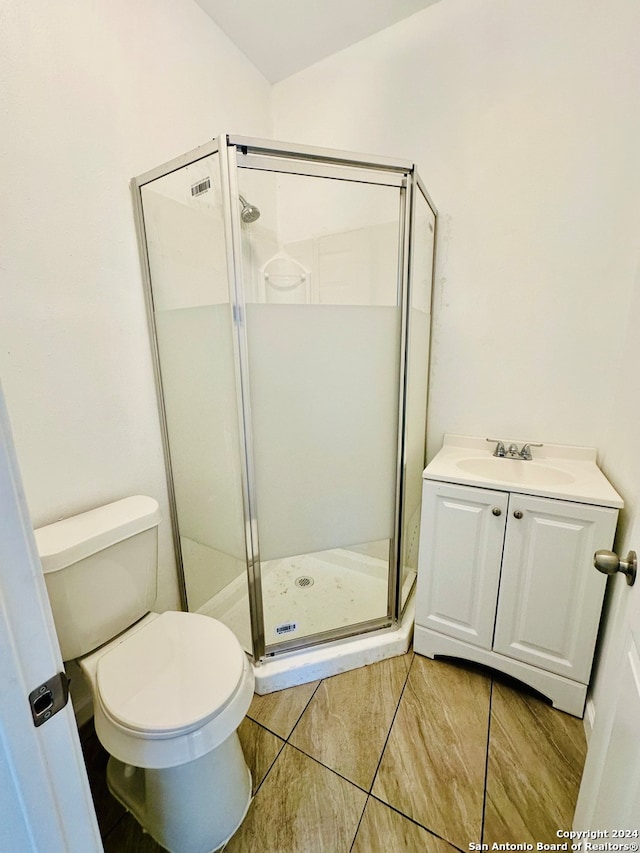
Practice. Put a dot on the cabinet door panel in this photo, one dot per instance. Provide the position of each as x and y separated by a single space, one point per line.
459 561
550 594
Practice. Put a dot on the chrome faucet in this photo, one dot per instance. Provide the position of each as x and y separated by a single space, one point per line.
525 453
512 452
499 451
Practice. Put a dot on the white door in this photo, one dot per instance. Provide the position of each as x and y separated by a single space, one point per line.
461 538
45 802
609 798
550 594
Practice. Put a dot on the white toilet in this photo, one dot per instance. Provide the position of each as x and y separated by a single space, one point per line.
169 690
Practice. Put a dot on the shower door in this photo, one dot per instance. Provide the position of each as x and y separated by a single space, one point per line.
320 301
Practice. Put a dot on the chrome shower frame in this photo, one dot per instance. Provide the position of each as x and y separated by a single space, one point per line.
240 152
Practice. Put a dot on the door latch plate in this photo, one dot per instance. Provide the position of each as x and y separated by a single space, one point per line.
49 698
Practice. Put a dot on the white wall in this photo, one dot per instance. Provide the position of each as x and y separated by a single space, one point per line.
93 94
522 117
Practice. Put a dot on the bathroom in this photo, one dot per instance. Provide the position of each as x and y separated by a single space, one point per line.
522 120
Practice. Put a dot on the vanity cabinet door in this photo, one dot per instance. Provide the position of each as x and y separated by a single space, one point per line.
461 540
550 594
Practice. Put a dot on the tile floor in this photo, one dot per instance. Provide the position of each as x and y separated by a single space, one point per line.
408 754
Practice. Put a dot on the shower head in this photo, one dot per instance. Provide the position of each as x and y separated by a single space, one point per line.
249 212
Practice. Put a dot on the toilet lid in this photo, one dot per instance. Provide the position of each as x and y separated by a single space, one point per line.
173 674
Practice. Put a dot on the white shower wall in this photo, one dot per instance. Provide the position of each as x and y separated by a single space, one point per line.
348 240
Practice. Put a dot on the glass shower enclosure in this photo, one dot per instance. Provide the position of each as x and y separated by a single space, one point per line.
289 300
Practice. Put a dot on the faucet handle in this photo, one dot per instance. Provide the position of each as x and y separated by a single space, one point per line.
499 451
525 453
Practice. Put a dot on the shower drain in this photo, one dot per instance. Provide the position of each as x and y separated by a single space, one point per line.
304 581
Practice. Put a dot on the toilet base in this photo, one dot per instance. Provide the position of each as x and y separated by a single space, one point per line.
192 808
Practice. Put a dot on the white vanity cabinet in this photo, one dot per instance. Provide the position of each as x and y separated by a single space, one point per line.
507 579
461 539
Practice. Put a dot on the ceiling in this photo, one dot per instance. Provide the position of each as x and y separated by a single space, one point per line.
281 37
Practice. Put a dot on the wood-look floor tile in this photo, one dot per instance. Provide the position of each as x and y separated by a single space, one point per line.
536 756
129 837
384 830
346 724
279 712
302 807
433 766
260 749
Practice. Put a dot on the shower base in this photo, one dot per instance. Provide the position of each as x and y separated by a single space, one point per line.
309 594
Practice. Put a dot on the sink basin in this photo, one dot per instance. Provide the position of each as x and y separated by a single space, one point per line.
515 471
558 471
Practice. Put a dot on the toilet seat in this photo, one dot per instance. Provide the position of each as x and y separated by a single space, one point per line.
147 731
172 676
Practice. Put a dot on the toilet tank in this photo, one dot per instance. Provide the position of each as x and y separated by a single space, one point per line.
100 569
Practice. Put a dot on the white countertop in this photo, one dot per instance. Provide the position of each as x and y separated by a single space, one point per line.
556 470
